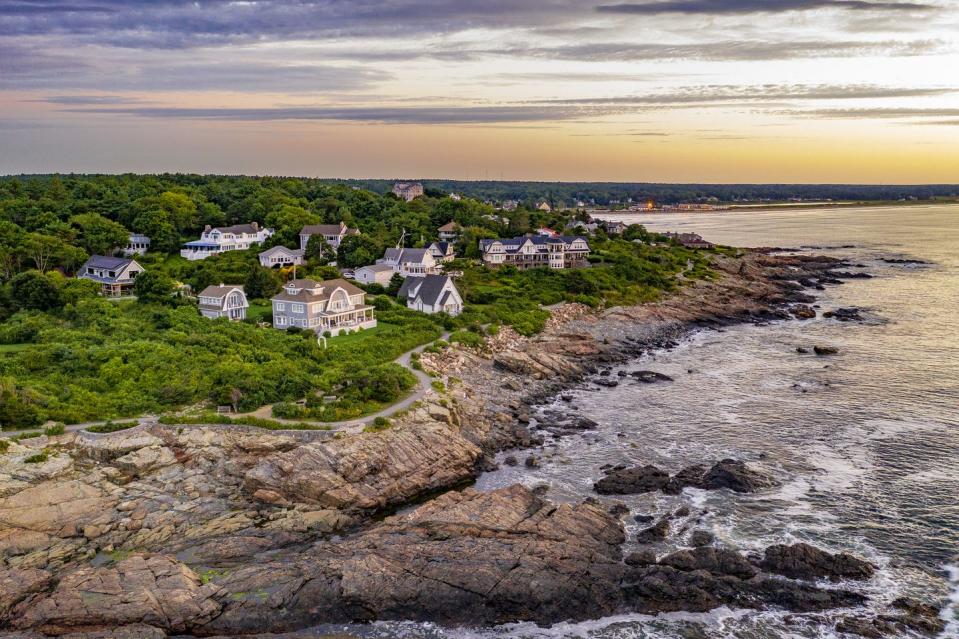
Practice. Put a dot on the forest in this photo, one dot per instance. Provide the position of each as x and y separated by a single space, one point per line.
69 355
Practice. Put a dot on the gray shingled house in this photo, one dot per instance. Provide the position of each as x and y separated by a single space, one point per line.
333 305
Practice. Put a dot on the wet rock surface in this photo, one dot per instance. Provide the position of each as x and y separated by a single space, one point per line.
730 474
802 561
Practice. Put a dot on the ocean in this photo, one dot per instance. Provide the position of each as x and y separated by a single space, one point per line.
864 445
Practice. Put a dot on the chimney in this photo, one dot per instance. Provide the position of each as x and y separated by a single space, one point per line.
256 227
207 228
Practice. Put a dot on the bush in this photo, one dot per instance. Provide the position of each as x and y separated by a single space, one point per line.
4 446
39 458
112 427
438 386
54 429
287 410
467 338
379 424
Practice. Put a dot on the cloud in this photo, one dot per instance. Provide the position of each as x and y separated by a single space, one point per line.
712 94
382 115
737 7
877 113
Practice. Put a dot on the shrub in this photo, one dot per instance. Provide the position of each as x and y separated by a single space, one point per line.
379 424
112 427
39 458
467 338
438 386
4 446
54 429
287 410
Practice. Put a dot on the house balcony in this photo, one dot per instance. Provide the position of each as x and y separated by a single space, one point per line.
360 317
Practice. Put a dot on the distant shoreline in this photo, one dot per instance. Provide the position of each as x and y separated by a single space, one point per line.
601 214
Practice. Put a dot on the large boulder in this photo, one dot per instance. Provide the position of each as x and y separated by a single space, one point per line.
152 590
719 561
736 476
802 561
632 481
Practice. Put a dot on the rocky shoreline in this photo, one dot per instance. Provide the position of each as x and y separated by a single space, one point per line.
212 531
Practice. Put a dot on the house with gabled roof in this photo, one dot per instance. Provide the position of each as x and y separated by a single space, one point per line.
115 275
564 251
374 274
222 239
280 256
410 262
137 244
449 232
333 306
333 234
431 294
225 300
442 251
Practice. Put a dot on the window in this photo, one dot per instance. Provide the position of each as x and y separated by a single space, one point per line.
297 308
281 321
280 306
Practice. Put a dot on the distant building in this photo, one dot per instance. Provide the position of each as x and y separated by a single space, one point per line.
280 256
510 205
456 197
690 240
545 207
333 306
408 191
449 232
138 244
374 274
227 301
432 294
529 252
546 232
442 251
115 275
583 227
410 262
214 241
615 228
332 233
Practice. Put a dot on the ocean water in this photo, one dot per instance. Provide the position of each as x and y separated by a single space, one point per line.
864 444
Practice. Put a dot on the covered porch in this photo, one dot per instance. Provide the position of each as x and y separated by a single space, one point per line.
347 321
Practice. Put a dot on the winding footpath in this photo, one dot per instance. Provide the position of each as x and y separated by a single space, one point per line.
351 426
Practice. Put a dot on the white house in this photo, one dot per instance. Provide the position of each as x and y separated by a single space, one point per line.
332 233
410 262
333 306
545 207
115 275
281 256
442 251
449 232
221 239
223 301
432 294
374 274
138 244
565 251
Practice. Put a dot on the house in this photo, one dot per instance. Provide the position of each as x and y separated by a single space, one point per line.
456 197
410 262
333 306
546 232
432 294
221 239
281 256
545 207
497 219
449 232
374 274
332 233
565 251
690 240
582 227
115 275
510 205
615 228
442 251
408 191
225 300
138 244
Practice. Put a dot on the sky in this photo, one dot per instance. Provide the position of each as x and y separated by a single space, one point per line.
850 91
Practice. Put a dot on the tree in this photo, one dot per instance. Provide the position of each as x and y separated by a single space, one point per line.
261 283
35 290
357 250
470 239
98 235
156 225
151 286
288 221
396 282
319 250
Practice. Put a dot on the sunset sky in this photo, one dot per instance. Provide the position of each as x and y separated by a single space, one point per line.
654 90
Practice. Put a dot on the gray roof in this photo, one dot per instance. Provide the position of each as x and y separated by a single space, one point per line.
219 291
239 228
513 243
102 261
282 249
376 268
429 288
314 291
416 256
324 229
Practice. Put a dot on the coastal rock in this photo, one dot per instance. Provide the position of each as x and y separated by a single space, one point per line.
803 312
650 377
802 561
844 314
632 481
718 561
655 533
825 350
701 538
689 477
736 476
369 472
153 590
